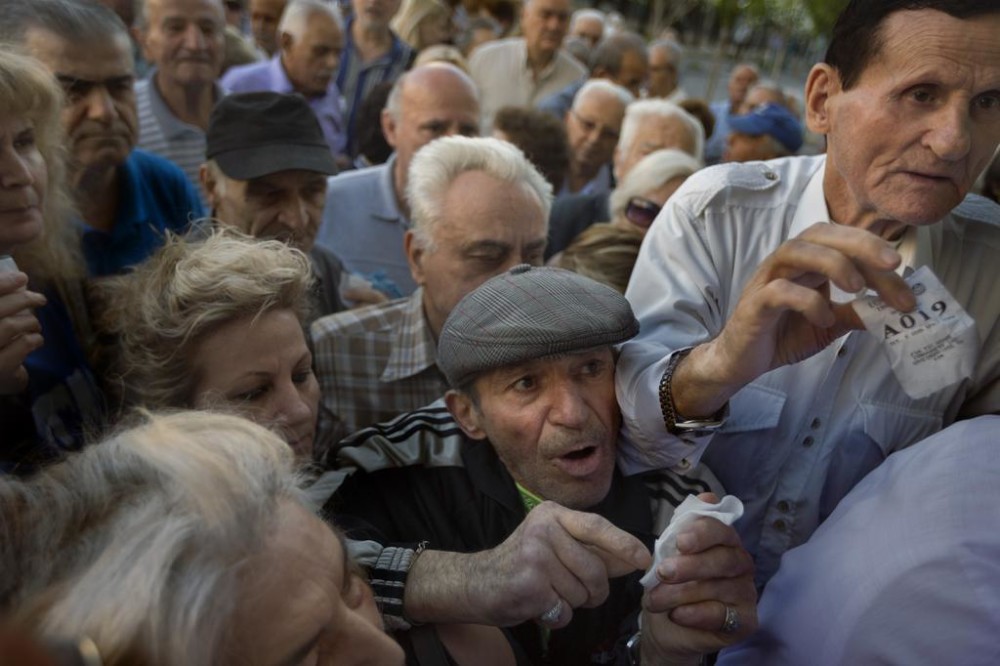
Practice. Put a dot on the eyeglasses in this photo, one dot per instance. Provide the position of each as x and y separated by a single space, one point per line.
641 212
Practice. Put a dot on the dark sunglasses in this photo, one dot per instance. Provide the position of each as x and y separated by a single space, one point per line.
641 212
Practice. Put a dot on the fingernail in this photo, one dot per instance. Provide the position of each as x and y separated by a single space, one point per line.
888 256
685 542
856 283
666 571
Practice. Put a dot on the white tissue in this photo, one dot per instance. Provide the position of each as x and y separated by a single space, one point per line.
728 510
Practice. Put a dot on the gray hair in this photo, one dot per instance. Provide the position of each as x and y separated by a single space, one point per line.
610 53
71 20
439 163
624 97
297 13
647 108
588 14
652 171
673 48
140 541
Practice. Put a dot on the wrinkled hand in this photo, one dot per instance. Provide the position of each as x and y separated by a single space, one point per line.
683 616
20 332
555 554
785 314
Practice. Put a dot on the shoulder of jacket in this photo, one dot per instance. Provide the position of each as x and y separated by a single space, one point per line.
746 182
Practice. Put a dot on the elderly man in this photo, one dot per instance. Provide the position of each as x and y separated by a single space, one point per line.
367 213
743 286
183 40
620 59
126 198
741 79
665 57
521 71
264 18
515 489
767 132
592 128
588 25
375 363
311 41
265 174
649 125
373 53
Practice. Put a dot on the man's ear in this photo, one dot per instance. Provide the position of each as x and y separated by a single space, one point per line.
415 252
822 84
465 413
285 41
388 128
208 185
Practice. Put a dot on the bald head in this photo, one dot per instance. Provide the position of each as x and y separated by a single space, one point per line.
426 103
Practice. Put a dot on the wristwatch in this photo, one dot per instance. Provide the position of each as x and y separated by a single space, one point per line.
674 422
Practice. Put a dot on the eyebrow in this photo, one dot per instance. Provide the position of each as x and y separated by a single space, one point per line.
68 80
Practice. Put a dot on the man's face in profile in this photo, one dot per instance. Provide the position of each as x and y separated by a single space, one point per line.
908 140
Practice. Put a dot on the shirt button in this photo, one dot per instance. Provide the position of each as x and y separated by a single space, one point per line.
784 506
684 463
815 424
779 525
808 441
770 175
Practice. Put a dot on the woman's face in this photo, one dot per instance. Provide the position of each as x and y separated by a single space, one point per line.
436 28
262 369
303 604
23 179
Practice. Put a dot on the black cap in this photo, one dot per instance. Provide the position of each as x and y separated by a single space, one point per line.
255 134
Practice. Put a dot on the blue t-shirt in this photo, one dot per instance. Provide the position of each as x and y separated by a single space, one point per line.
155 197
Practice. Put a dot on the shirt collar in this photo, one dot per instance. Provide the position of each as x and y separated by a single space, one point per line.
413 347
172 126
387 208
131 211
812 204
546 71
280 83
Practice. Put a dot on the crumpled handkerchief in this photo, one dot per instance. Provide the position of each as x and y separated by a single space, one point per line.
728 510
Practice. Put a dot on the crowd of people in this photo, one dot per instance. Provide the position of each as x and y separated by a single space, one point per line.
399 331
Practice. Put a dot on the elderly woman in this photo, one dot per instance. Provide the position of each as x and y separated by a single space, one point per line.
184 540
639 197
48 394
217 323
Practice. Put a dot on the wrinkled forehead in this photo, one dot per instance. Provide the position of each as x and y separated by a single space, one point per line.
93 59
563 362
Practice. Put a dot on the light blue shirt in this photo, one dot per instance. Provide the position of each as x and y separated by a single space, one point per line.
271 76
363 225
905 571
798 438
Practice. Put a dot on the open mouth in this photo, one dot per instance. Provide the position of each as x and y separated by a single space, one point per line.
580 454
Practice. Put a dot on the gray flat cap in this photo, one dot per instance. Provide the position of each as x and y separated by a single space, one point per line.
529 313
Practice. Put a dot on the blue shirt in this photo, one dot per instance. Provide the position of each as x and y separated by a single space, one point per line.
716 144
154 197
905 571
363 225
271 76
355 78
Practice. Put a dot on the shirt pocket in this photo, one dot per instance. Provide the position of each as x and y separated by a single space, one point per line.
754 407
894 427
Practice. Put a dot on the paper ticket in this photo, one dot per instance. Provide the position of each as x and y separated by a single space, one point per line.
933 346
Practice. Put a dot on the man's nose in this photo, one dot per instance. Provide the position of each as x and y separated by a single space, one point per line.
194 38
100 105
950 135
567 408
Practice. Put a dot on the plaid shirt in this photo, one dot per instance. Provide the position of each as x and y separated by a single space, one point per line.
374 363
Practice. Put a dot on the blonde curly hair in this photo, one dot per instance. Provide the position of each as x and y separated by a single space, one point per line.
186 290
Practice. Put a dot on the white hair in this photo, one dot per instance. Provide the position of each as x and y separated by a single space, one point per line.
675 50
652 171
439 163
587 14
637 112
624 97
139 542
297 13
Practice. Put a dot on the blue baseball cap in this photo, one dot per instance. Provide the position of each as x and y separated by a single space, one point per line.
773 120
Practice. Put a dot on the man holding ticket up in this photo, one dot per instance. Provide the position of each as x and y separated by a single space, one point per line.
751 355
